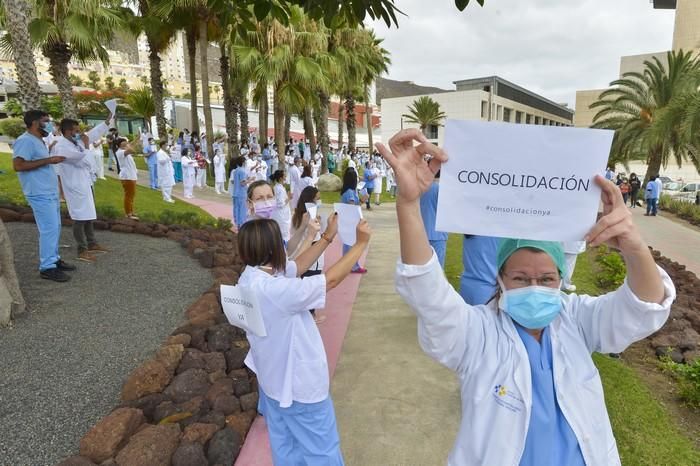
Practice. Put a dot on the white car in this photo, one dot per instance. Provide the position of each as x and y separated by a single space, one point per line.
689 193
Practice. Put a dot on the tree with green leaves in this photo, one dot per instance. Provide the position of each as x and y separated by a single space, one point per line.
94 79
638 106
425 112
124 85
109 83
141 102
75 80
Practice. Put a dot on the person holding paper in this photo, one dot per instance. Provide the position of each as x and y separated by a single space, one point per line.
294 178
149 152
238 187
166 172
189 170
282 214
99 158
219 171
176 157
290 362
509 353
202 161
348 195
428 210
128 175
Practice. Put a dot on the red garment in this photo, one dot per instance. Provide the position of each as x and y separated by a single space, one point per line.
201 161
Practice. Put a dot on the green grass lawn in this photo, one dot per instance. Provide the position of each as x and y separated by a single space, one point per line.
109 197
645 432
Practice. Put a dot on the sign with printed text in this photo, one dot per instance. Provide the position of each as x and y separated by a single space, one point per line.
521 181
242 309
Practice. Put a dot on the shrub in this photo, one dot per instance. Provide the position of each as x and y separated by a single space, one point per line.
107 211
12 127
688 378
612 269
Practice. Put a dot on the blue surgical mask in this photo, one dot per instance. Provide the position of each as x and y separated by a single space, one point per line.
48 127
76 137
533 307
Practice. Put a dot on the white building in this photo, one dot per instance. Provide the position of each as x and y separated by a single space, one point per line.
490 99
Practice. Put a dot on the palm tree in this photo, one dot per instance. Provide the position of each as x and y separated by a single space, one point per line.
66 30
16 20
141 102
425 112
191 39
378 62
634 105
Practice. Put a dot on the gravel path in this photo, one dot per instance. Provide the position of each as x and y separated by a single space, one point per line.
62 366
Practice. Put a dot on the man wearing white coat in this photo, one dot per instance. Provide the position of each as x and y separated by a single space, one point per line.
219 171
189 166
166 172
531 394
76 176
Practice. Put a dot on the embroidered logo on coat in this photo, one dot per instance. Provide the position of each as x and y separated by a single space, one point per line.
507 399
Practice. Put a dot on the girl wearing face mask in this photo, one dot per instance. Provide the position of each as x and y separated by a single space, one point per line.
310 195
524 358
261 200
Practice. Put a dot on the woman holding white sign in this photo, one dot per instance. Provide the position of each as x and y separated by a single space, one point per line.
531 394
290 362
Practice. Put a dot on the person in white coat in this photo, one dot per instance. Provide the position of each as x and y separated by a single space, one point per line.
77 177
189 166
531 394
282 214
99 156
166 172
219 171
571 250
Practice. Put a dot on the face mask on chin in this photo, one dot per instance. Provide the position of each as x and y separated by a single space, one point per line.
264 209
45 128
533 307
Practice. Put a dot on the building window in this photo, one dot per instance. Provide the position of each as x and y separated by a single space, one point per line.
545 122
537 120
528 119
432 132
518 117
484 109
2 98
499 113
506 114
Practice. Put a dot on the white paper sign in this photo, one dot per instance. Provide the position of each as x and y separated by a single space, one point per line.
349 216
312 209
521 181
242 309
111 106
361 185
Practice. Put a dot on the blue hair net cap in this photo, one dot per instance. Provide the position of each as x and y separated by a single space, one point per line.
554 249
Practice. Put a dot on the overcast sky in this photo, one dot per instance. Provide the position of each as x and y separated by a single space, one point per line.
552 47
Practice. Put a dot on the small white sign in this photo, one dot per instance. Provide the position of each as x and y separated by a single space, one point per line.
361 185
349 216
521 181
312 209
242 309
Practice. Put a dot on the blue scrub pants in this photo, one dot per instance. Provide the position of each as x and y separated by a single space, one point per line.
153 175
177 169
305 434
346 248
652 206
47 215
239 210
440 247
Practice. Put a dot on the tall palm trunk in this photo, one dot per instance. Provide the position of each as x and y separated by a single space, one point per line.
341 123
243 112
279 116
230 115
192 65
17 14
322 128
157 87
204 73
59 56
350 121
368 120
653 164
309 129
263 118
287 126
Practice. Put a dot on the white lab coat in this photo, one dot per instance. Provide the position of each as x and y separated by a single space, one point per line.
166 172
76 174
481 344
282 214
219 168
188 171
294 177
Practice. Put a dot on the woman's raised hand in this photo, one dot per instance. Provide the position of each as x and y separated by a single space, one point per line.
414 172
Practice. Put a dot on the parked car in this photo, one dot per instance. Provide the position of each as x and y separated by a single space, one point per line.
689 192
673 188
664 180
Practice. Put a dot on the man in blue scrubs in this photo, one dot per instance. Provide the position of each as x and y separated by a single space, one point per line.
31 161
428 210
478 282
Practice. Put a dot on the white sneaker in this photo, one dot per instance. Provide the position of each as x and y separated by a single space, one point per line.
571 288
169 201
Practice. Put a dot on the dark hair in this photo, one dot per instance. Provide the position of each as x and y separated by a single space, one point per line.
306 171
163 143
238 161
260 242
68 124
349 180
277 176
254 185
30 116
308 194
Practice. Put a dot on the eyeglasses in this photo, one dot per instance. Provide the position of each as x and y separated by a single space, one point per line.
521 281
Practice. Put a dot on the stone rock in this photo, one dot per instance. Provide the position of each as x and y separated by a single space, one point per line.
199 432
187 385
241 386
197 406
109 462
146 404
235 358
170 357
329 183
122 228
195 244
197 333
224 447
217 375
223 260
226 404
219 337
143 229
152 446
76 461
8 215
207 307
129 222
689 340
150 377
28 217
665 340
174 235
215 418
690 357
104 439
189 454
249 401
674 354
241 422
163 410
157 234
179 339
100 225
220 387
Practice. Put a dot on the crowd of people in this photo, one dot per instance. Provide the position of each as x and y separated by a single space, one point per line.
631 187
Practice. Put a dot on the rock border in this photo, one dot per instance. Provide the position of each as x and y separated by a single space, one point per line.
194 401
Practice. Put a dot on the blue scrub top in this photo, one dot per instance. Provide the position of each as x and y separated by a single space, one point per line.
428 210
350 197
238 178
477 284
652 190
369 183
41 181
550 440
